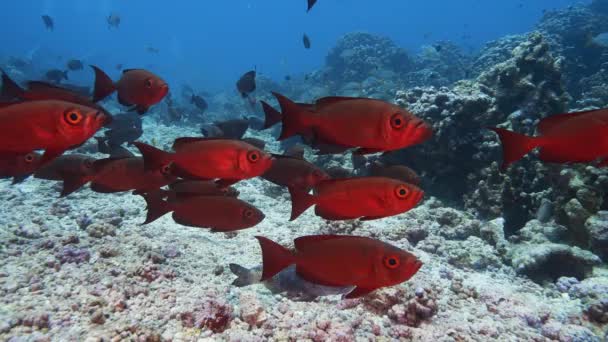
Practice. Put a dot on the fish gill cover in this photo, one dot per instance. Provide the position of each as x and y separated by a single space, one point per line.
304 170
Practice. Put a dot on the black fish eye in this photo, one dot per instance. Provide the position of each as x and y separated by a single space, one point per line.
148 83
248 213
29 158
391 262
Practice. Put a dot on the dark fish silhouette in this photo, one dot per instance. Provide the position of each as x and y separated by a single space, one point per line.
199 102
306 41
125 128
74 64
48 22
113 20
311 3
56 75
246 84
230 129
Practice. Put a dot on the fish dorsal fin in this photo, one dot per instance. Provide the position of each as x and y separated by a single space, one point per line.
124 71
548 123
7 104
39 85
329 100
305 242
286 156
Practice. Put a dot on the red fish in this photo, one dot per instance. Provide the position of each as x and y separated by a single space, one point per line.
368 198
69 168
341 260
19 166
37 90
50 125
565 138
210 158
137 87
125 174
294 173
218 213
367 124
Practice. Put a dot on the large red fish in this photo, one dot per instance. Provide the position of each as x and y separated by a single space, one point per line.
368 198
125 174
218 213
366 124
294 173
341 260
37 90
137 87
50 125
19 166
580 137
210 158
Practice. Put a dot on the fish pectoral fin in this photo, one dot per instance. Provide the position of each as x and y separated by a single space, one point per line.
358 292
20 178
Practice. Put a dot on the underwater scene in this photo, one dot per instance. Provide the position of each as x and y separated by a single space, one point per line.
304 170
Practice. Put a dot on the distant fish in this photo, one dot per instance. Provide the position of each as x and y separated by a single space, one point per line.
287 78
113 20
124 128
151 49
311 3
286 281
137 88
218 213
600 40
246 85
56 75
19 166
50 125
341 260
74 64
306 41
367 198
564 138
229 129
48 22
199 102
114 151
294 173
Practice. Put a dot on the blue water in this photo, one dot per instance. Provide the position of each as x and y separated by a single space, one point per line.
209 44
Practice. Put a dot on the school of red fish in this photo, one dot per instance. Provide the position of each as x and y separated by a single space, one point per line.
194 182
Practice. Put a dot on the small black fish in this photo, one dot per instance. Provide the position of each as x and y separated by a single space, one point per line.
199 102
75 64
438 47
113 20
310 4
56 75
48 22
230 129
246 84
151 49
306 41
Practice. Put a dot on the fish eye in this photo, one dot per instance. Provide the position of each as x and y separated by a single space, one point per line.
391 262
253 156
401 192
29 158
248 213
397 121
73 117
148 83
88 164
165 169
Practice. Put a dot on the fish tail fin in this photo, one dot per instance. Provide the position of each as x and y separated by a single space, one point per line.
514 145
73 182
10 88
271 115
104 86
153 157
294 118
156 206
300 201
275 257
244 276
